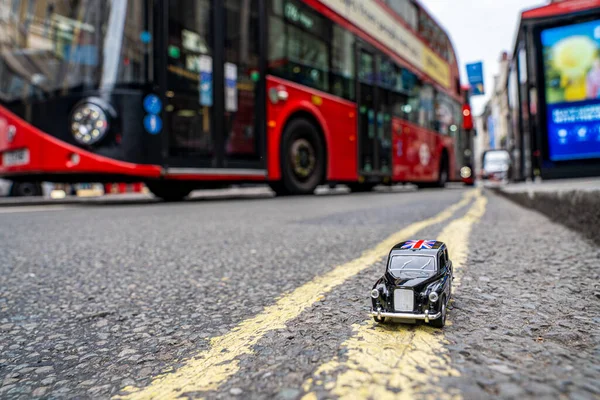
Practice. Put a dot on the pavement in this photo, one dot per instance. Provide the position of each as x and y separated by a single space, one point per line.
572 202
262 297
559 185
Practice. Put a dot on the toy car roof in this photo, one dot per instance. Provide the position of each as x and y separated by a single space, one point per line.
421 245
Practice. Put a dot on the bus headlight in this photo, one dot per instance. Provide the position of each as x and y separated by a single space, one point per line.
89 123
465 172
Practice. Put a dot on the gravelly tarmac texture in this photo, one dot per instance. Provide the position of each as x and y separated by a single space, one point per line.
526 318
96 298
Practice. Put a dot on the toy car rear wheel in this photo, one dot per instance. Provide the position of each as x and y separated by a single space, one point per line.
379 320
441 321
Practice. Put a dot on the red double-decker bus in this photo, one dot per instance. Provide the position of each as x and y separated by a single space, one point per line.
203 93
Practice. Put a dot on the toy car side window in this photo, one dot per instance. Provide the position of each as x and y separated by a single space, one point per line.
443 260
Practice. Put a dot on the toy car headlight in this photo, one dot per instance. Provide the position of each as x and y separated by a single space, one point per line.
89 123
375 293
433 297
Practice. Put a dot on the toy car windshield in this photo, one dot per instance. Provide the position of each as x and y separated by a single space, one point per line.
412 266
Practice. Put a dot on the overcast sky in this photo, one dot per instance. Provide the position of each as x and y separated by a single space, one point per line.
480 30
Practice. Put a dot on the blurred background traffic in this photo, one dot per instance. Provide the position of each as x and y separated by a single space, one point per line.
167 98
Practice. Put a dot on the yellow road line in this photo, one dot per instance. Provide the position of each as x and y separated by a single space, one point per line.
210 368
397 361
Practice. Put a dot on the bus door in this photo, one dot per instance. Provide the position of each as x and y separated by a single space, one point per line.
214 107
374 120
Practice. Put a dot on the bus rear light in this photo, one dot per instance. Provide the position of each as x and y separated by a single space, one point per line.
467 117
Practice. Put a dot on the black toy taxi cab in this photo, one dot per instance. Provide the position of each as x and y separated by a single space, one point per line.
417 284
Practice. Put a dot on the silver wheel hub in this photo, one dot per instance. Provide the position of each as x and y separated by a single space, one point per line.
302 158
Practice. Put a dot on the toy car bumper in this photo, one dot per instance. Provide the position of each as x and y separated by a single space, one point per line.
393 315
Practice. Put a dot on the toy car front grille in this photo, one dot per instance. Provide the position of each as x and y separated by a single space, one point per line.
404 300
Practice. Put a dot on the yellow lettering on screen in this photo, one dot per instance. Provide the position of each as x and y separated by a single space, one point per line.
436 68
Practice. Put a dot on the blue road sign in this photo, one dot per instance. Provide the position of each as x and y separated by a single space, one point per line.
146 37
152 104
153 124
475 77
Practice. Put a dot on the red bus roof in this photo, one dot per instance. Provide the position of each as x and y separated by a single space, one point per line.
560 8
423 66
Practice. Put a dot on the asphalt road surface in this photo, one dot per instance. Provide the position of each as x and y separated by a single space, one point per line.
266 298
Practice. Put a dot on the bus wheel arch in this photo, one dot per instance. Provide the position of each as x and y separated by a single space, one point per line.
303 137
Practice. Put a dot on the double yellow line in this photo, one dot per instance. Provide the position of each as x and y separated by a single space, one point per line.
396 362
211 368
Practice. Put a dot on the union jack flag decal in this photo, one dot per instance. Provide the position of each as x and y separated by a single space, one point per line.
418 244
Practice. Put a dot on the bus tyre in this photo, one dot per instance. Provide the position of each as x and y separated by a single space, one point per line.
303 158
361 187
443 176
169 191
26 189
279 188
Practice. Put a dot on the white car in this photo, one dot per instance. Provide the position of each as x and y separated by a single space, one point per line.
496 165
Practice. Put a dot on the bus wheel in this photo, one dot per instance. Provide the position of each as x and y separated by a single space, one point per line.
443 177
279 188
303 158
26 189
169 191
361 187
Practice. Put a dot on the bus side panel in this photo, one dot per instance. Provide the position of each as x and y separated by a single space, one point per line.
415 156
16 135
337 120
48 155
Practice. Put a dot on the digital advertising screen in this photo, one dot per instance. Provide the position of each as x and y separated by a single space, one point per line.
571 56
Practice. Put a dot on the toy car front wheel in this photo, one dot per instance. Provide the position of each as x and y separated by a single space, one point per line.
441 321
379 320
